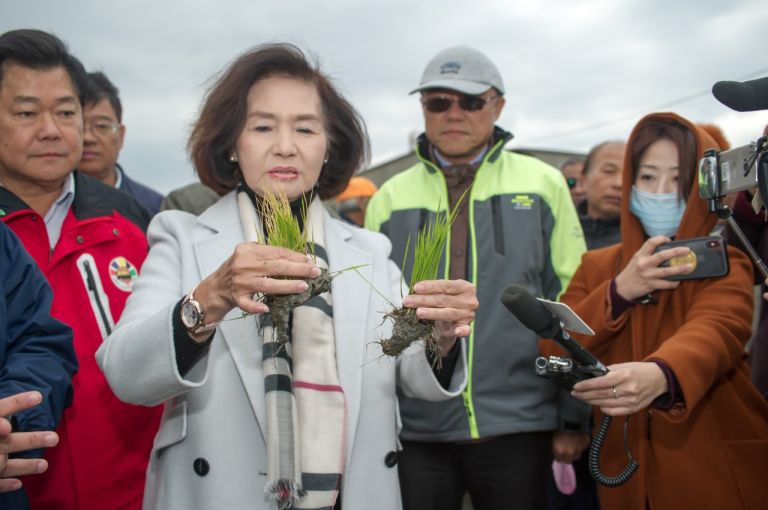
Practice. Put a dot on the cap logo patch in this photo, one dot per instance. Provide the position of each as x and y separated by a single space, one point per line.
450 68
122 273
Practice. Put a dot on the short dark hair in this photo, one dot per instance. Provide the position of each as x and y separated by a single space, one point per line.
678 134
99 87
224 111
594 151
572 161
42 51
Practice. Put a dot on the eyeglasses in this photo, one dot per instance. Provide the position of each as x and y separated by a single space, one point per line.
439 104
101 127
572 182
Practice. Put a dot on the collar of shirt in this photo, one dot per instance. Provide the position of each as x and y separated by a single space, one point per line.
443 163
118 176
54 218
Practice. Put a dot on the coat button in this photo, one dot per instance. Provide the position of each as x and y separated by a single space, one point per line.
390 459
116 232
79 240
201 466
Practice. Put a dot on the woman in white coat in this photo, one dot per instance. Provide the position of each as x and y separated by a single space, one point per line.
247 425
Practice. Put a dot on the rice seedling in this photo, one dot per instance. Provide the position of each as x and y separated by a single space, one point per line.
283 230
430 245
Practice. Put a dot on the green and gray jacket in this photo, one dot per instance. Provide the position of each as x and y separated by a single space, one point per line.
522 229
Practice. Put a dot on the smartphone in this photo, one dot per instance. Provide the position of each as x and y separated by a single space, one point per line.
708 256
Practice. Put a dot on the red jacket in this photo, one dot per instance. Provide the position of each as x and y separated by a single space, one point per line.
104 448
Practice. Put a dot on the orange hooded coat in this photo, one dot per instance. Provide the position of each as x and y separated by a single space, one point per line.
713 451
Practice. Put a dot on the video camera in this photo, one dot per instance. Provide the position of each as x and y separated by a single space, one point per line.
742 168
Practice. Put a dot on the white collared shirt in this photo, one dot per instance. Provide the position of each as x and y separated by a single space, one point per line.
54 218
118 177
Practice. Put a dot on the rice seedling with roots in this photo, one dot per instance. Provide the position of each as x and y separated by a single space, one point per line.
283 230
407 327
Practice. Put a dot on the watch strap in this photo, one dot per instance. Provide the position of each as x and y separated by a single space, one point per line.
201 326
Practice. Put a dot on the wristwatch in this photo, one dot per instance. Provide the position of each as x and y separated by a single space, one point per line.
193 317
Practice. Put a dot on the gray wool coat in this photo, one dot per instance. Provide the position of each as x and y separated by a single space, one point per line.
209 452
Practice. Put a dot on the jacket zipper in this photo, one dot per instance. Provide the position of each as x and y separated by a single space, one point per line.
98 298
92 288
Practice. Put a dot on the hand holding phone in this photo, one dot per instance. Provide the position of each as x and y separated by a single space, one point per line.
708 256
644 272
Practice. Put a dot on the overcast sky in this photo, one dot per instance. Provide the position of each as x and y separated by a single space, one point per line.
576 73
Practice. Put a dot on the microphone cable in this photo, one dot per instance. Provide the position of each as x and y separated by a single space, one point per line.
594 456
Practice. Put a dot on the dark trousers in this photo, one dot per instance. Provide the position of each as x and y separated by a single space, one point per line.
505 472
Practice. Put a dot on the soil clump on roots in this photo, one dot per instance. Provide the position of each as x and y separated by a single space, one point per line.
408 328
281 306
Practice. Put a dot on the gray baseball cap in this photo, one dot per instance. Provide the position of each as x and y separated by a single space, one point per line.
462 69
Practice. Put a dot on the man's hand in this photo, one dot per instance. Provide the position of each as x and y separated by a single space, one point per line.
567 446
12 442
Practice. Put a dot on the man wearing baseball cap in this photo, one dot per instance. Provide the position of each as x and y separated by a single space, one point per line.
517 224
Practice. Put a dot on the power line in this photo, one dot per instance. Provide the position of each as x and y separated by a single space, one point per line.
637 113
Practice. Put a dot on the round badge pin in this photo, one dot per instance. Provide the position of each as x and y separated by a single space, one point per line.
122 273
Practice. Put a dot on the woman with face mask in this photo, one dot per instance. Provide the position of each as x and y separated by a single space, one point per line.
312 423
675 350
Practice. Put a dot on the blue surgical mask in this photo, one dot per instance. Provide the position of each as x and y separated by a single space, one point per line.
660 213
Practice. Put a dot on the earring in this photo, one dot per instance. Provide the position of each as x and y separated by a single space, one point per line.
233 158
325 161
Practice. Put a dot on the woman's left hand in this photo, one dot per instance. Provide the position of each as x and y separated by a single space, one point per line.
626 389
451 303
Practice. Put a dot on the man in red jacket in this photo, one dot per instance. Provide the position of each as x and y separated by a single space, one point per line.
89 241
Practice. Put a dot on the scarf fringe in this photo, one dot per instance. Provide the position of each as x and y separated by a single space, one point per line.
285 493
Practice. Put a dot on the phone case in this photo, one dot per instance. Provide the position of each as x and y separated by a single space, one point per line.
708 255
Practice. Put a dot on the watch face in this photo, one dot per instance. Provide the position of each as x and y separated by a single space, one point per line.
190 315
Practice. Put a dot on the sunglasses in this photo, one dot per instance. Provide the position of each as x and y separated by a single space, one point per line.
572 181
440 104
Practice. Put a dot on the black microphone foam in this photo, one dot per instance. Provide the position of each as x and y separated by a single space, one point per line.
535 316
748 96
528 310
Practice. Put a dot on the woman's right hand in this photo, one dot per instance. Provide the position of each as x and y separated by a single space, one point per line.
252 269
643 274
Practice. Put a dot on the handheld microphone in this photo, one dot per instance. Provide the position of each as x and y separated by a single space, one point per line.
535 316
748 96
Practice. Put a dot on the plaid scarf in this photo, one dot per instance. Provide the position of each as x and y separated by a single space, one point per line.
305 405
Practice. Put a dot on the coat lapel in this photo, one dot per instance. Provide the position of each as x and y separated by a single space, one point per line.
351 302
240 336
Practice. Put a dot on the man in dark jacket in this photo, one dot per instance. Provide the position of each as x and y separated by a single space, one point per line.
599 212
37 362
103 138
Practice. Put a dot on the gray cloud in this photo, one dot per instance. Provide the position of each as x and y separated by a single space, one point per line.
567 65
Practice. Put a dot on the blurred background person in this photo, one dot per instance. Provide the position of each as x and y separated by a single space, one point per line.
754 226
193 198
573 170
600 210
353 201
675 350
88 239
103 137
